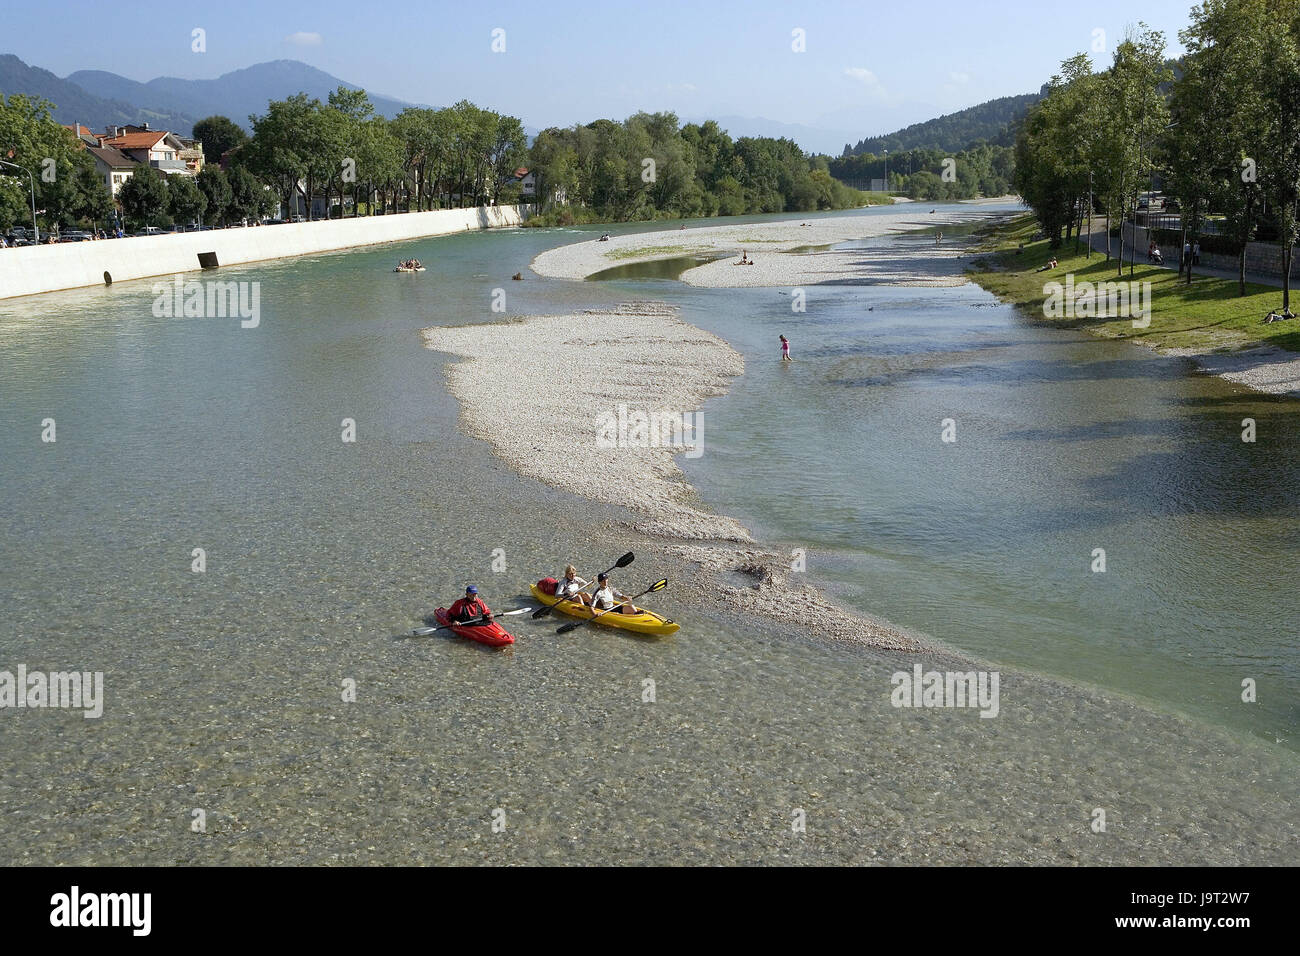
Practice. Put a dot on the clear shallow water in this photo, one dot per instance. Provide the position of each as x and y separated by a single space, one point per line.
1065 444
223 689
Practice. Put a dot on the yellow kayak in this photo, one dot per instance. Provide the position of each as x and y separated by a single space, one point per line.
643 622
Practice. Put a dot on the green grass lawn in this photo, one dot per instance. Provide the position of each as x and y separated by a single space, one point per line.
636 253
1206 315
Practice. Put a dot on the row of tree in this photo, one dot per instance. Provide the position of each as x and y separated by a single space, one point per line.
214 197
933 174
1221 131
650 167
421 159
341 156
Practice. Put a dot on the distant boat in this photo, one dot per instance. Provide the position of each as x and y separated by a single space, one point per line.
405 269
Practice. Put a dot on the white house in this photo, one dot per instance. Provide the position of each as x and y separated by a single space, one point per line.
113 165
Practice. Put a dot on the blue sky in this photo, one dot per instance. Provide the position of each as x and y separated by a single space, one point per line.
868 68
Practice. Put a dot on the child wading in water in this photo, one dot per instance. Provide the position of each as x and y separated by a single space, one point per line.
785 350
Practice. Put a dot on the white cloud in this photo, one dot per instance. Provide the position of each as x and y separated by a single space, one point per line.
304 39
873 86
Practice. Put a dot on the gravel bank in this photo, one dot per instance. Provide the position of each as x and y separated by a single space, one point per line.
770 246
1264 368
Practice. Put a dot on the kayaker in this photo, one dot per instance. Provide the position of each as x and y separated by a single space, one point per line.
571 586
607 596
469 608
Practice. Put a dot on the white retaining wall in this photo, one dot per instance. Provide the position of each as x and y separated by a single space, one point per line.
70 265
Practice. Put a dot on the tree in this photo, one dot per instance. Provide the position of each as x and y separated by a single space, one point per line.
94 204
219 135
61 171
215 186
249 197
185 201
1140 114
1280 148
280 150
145 199
508 151
1219 119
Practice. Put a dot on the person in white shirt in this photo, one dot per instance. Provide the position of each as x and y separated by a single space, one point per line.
571 586
607 596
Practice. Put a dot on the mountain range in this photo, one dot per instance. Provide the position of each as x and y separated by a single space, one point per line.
993 121
97 98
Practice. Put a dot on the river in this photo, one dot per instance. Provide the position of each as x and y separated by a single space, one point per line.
224 689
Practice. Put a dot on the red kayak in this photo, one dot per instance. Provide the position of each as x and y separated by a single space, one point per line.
490 633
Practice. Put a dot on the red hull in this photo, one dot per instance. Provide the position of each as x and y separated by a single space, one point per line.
491 634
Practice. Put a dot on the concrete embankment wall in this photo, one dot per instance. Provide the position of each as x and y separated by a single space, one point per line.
70 265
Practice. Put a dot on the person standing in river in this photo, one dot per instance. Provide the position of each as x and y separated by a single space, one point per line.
785 350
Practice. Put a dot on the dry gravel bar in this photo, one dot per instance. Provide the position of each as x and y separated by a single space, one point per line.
537 389
770 246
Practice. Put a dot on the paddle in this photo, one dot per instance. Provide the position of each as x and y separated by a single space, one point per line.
622 562
473 622
657 586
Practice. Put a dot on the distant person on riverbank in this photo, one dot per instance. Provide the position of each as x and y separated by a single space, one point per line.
938 238
785 350
1187 254
1196 253
1050 265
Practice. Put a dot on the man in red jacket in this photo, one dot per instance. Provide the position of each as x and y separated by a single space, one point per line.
469 608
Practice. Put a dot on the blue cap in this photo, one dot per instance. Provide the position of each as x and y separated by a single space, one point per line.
471 590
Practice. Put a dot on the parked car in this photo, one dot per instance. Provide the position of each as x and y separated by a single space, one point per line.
273 222
299 219
75 235
150 231
1173 205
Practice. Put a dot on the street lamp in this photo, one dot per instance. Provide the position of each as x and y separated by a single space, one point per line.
36 232
886 154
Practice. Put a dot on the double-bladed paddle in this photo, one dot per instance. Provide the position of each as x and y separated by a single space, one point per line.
473 622
622 562
657 586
